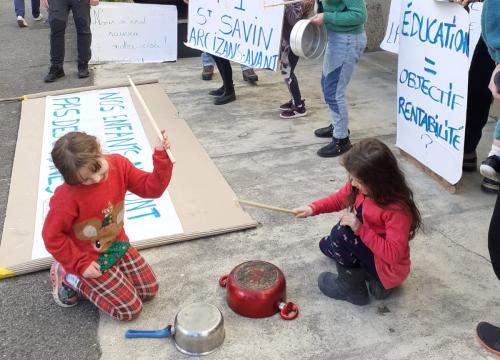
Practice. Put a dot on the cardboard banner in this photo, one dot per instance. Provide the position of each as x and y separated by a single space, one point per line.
199 201
432 85
110 115
245 31
133 33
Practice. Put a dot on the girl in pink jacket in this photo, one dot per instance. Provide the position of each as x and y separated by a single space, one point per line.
370 242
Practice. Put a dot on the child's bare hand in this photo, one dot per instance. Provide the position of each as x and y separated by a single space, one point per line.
350 220
92 271
162 144
45 3
94 2
318 19
303 212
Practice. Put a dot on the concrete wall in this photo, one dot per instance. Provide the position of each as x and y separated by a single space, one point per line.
378 14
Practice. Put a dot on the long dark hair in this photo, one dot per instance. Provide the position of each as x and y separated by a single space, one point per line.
373 163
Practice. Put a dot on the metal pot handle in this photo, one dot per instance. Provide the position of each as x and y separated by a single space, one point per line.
163 333
288 311
223 280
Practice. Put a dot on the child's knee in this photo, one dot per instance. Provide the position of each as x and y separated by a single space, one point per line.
129 313
150 292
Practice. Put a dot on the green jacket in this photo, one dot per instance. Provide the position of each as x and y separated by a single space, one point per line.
345 16
491 27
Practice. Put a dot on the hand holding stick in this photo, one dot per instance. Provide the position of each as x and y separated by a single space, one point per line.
150 117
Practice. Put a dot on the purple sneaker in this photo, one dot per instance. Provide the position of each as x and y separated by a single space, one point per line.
63 294
295 111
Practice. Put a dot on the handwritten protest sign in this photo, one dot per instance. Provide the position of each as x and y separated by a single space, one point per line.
391 39
392 34
133 33
244 31
109 115
432 85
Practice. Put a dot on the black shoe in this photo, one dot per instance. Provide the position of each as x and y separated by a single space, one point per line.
489 336
217 92
349 285
377 290
250 75
208 72
469 163
225 98
83 71
490 186
55 73
324 132
335 148
490 168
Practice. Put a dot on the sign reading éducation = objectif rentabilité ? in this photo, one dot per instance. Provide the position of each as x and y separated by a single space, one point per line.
432 84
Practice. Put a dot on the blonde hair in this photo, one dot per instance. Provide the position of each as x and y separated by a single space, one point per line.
73 151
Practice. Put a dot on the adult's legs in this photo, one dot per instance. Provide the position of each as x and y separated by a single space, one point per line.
81 15
35 8
478 102
226 93
58 18
19 8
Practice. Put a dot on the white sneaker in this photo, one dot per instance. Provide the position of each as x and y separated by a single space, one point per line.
38 18
21 22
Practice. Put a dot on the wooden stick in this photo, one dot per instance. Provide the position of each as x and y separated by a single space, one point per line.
264 206
150 116
284 3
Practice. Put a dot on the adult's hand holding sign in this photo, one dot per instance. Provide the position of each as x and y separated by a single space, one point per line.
244 31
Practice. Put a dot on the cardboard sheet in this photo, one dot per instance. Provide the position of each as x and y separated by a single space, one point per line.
203 200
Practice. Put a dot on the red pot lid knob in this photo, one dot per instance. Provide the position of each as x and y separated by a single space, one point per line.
288 311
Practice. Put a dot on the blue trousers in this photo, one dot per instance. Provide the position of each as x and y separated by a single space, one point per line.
19 8
342 53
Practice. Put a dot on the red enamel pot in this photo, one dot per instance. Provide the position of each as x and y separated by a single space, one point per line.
257 289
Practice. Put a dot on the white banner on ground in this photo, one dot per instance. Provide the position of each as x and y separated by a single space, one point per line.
391 39
432 85
109 115
133 33
244 31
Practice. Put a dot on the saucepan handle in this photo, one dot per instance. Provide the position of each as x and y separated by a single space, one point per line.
288 311
163 333
223 280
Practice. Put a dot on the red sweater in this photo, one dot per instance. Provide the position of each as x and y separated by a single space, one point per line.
384 231
85 221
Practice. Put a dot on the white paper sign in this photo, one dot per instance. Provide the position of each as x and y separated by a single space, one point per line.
109 115
432 85
133 33
475 12
244 31
391 39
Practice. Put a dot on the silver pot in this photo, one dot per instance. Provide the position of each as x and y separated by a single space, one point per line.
307 40
198 330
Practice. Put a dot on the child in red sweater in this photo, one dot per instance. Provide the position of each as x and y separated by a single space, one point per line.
84 230
370 242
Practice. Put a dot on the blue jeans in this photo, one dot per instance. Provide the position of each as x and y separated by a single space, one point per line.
342 53
19 8
207 59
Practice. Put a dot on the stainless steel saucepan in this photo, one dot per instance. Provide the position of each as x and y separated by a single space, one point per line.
198 330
